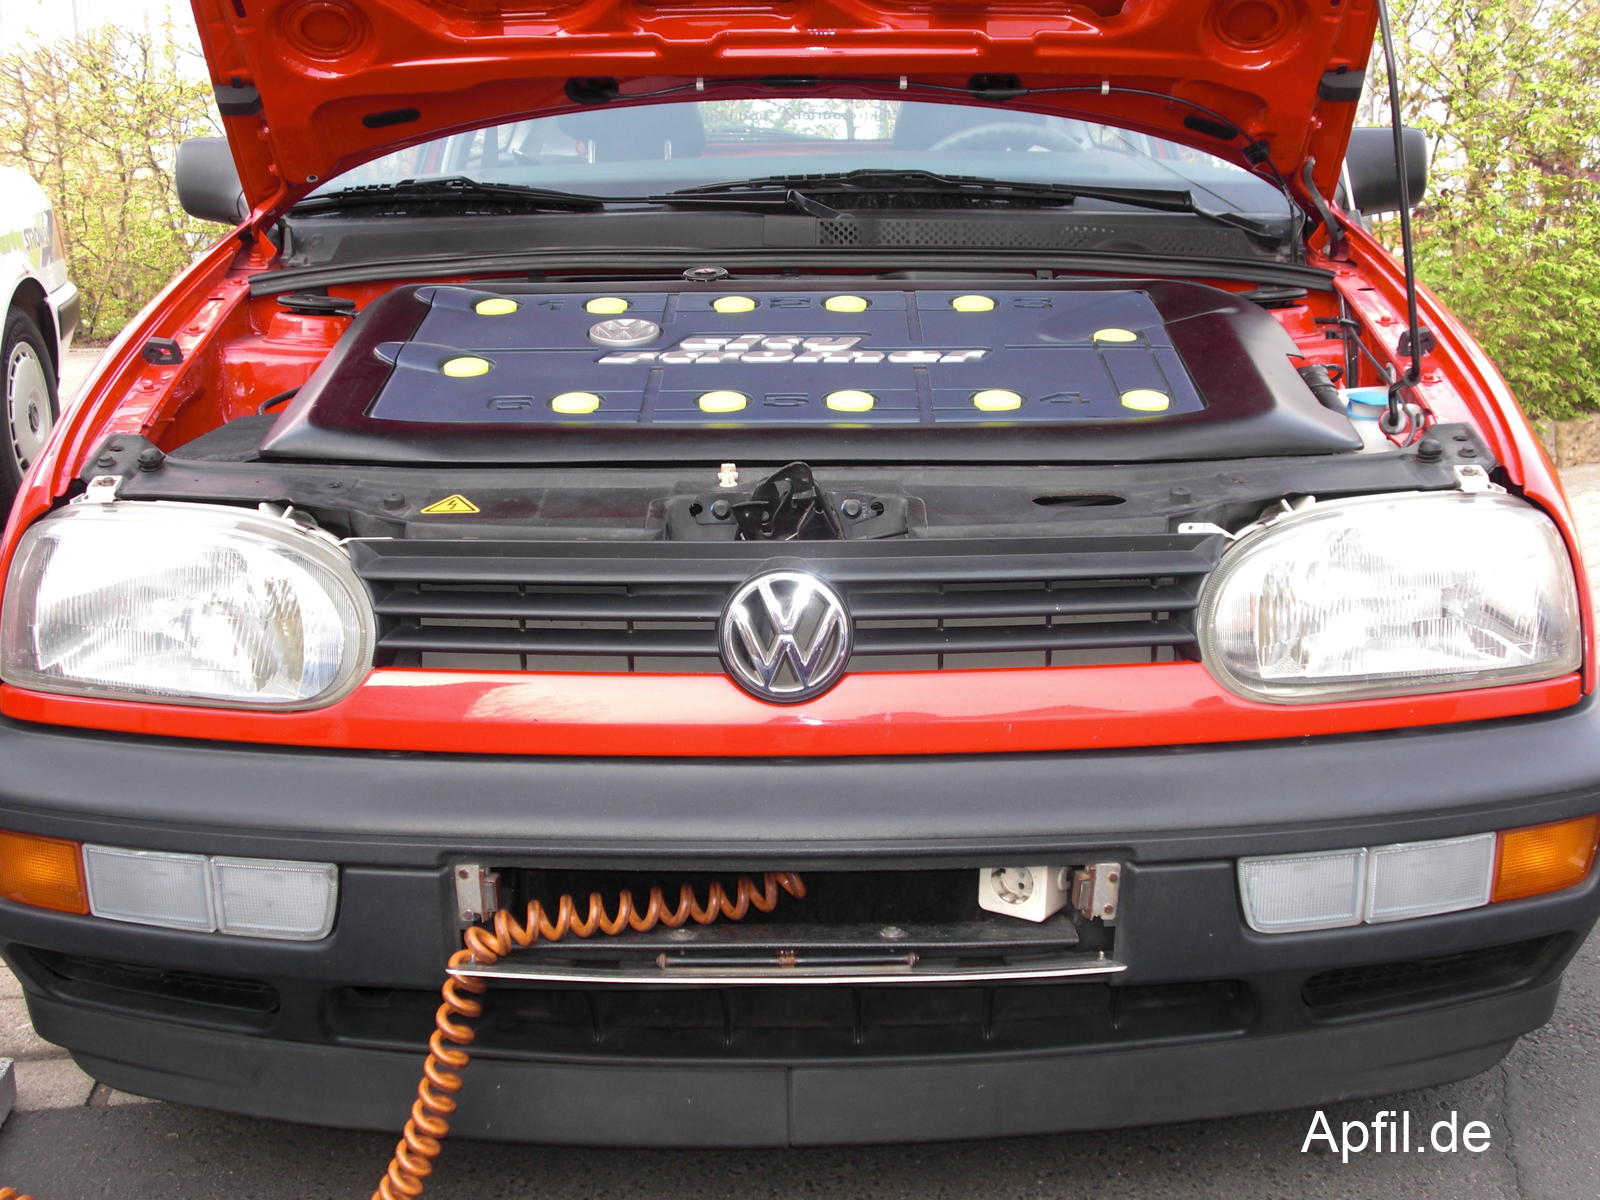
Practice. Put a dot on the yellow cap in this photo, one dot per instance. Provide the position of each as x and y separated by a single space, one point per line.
495 306
1115 335
1146 400
972 304
733 304
606 306
574 403
723 402
465 367
845 304
850 400
996 400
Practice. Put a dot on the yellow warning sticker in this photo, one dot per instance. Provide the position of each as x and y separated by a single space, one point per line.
450 506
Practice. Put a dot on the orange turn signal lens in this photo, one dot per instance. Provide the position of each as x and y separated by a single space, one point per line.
1544 858
44 872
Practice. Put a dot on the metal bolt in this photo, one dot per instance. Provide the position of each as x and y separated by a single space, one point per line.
105 460
463 873
851 508
1109 909
892 932
680 935
1467 452
1113 876
721 509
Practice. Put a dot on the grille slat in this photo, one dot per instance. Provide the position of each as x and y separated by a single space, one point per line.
1002 639
547 606
597 564
1036 602
480 639
707 606
998 639
917 605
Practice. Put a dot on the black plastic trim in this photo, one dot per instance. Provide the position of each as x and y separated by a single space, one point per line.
1342 85
1166 803
814 1104
237 99
69 314
787 258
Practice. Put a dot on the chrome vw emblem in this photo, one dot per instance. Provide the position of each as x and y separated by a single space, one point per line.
785 636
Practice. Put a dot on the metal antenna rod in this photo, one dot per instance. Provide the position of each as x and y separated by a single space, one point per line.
1394 420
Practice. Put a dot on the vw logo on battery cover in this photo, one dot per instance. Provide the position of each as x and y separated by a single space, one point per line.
624 331
785 636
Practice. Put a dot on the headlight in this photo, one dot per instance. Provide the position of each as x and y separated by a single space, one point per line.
188 603
1392 594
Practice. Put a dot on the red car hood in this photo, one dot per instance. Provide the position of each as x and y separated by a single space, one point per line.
310 88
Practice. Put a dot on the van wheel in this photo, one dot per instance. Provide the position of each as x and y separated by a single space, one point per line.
30 400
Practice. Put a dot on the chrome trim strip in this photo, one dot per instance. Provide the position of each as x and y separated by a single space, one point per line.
521 970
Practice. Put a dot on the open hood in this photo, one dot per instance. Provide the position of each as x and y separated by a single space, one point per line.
311 88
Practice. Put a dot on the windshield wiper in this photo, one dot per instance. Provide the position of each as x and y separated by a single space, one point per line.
782 190
451 189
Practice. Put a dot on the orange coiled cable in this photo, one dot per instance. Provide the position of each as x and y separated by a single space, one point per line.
7 1193
441 1070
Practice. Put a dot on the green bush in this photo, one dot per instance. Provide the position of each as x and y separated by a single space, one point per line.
97 121
1509 234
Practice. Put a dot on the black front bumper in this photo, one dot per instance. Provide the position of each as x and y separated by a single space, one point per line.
332 1031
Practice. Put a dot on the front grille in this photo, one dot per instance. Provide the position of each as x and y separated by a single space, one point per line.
654 608
802 1023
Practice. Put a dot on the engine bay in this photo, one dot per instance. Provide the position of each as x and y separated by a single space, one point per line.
907 404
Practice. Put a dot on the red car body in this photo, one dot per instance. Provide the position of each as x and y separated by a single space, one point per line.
312 89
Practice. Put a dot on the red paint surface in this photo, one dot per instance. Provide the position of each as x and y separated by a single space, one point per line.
944 712
323 67
238 351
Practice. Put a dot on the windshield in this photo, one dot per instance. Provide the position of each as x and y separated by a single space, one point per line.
642 150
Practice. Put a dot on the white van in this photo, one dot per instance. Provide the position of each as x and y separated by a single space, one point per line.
40 310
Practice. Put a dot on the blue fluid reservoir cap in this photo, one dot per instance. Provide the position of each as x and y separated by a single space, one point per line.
1366 403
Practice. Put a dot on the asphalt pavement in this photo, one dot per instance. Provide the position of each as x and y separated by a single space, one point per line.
70 1140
